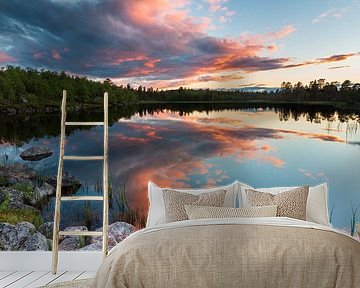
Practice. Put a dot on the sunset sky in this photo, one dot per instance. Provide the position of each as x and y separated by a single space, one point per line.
198 44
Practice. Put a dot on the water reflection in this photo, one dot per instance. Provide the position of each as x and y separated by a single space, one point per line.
197 145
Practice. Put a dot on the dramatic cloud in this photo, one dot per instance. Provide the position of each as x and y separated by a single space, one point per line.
150 40
324 60
332 13
153 43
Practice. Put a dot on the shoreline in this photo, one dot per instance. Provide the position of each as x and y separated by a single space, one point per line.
55 108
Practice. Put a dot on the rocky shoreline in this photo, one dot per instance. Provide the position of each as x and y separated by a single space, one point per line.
21 225
25 237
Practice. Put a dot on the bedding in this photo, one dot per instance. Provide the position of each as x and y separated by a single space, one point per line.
175 201
290 203
233 252
317 202
203 212
156 213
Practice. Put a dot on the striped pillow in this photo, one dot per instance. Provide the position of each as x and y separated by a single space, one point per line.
201 212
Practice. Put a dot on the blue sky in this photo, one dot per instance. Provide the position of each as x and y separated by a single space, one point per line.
199 44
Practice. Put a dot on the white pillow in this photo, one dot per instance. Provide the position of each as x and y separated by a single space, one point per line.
156 214
317 202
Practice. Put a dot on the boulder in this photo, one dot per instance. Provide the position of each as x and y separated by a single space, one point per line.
35 242
14 198
47 229
75 228
117 232
72 243
41 193
8 237
24 230
36 153
17 173
12 237
22 206
121 230
93 247
70 184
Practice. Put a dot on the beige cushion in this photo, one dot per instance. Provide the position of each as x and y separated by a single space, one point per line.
317 202
175 201
290 203
201 212
156 214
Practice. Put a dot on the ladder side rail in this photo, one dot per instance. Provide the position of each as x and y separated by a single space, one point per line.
105 178
55 243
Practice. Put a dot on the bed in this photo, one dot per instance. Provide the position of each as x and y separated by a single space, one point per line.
233 252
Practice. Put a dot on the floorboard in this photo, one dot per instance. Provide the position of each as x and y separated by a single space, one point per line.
87 274
28 279
13 277
4 274
46 279
34 279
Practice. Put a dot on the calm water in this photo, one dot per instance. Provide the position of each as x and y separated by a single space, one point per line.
206 145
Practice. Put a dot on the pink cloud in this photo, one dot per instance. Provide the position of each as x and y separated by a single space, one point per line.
5 57
285 31
38 55
55 54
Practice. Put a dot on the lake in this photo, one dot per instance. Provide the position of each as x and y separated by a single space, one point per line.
195 145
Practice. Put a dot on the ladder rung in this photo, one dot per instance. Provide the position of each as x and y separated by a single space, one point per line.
83 157
75 198
83 123
80 233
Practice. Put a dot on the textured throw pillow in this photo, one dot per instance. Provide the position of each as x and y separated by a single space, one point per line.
290 203
201 212
317 202
175 201
156 213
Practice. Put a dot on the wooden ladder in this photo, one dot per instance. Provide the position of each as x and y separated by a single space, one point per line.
59 198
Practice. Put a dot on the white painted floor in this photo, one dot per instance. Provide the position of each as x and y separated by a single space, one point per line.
31 279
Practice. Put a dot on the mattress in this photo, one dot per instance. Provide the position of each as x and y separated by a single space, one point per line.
233 252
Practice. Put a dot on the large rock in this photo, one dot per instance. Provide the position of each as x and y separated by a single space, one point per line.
70 243
47 229
36 242
76 228
93 247
36 153
14 199
8 237
17 173
117 232
24 230
13 237
70 184
41 193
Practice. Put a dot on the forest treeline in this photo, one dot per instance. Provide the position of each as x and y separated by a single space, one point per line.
38 88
